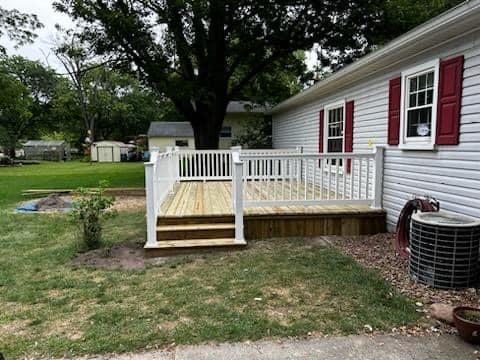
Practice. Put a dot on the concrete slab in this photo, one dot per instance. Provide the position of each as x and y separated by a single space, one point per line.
385 347
338 348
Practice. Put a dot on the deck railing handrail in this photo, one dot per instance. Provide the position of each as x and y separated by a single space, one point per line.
206 165
307 179
279 177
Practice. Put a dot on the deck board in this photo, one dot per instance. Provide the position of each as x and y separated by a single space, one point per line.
215 198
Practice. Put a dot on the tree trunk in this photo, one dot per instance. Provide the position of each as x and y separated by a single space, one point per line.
206 123
206 137
11 152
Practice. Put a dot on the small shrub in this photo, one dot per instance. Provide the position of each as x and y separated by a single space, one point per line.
89 211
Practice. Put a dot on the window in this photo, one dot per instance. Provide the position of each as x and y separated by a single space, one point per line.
226 132
419 106
181 143
334 129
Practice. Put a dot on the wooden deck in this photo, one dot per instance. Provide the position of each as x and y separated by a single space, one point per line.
211 202
214 198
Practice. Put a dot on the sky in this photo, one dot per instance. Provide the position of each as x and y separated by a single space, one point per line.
40 49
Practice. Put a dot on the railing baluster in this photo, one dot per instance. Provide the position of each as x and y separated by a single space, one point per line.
321 178
367 179
337 168
305 180
329 178
359 189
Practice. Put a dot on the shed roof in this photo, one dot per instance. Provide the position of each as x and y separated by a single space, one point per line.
456 22
165 128
110 143
45 143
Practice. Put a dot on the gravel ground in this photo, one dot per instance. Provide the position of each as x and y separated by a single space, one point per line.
377 252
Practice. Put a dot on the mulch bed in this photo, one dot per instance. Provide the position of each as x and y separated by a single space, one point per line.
377 252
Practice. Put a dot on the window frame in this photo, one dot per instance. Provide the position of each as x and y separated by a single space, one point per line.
223 130
182 140
417 142
327 108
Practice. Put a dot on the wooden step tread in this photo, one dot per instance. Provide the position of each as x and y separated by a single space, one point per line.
193 243
193 227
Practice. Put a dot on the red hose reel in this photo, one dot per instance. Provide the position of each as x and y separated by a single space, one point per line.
402 238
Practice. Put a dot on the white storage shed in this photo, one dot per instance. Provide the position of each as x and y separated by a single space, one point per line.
109 151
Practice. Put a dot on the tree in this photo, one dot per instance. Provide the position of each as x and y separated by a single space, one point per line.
41 83
18 27
201 54
15 115
396 18
78 61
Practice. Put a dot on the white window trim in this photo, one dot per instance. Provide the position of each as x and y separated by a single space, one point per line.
419 144
326 108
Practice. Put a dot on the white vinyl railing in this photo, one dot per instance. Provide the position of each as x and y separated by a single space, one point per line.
266 178
161 174
210 165
308 179
305 179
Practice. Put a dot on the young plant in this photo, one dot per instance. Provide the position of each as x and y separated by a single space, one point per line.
89 211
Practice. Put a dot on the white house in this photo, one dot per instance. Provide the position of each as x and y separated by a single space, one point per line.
419 97
163 134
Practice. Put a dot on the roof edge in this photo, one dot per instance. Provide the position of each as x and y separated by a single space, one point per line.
444 20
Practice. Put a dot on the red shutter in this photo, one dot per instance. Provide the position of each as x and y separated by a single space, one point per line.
320 131
348 135
449 101
394 100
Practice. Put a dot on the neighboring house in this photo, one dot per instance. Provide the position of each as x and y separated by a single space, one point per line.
50 150
110 151
162 134
419 97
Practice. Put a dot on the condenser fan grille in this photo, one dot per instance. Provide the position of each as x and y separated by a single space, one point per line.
444 250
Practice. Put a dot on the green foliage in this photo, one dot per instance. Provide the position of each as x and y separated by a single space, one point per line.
280 80
202 54
15 111
18 27
89 210
256 134
395 17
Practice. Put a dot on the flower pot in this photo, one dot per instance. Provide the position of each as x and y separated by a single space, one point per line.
467 322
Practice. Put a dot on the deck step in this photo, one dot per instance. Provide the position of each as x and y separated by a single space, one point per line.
176 247
195 231
195 219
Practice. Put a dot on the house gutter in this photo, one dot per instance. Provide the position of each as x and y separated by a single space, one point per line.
379 60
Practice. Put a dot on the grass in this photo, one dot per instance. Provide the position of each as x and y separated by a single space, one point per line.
68 175
273 289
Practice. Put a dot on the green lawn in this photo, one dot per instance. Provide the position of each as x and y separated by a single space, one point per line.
272 289
13 180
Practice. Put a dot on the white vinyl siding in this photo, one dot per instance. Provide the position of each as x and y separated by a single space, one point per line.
451 173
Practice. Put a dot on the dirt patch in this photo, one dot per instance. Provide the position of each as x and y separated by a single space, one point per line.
65 328
129 257
126 203
377 252
53 202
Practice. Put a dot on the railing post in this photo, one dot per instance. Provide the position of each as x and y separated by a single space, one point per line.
299 150
170 169
176 163
237 194
151 204
378 189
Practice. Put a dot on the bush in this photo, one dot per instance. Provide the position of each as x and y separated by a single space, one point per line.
89 211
